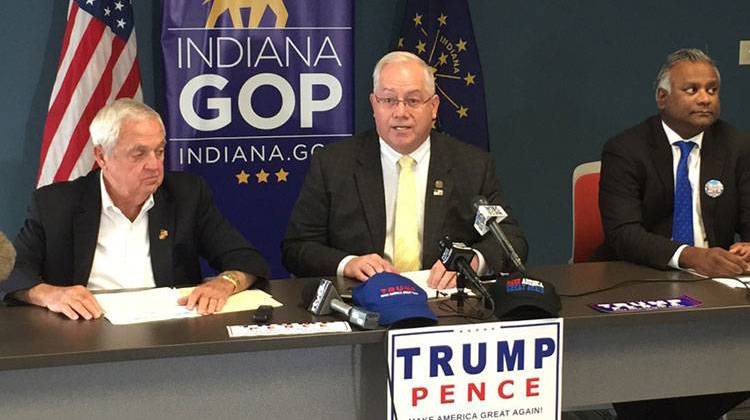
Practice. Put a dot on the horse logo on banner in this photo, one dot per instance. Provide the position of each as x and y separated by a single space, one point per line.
257 9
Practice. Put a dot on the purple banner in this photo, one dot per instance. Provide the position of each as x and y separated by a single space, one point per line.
252 89
659 304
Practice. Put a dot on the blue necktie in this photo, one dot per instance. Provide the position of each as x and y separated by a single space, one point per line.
682 222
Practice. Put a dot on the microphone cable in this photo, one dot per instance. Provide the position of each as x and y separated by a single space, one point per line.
651 281
453 311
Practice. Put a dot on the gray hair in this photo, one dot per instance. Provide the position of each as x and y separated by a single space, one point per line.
394 57
690 54
105 127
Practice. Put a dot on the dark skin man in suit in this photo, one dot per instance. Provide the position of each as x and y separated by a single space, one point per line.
637 200
693 105
636 187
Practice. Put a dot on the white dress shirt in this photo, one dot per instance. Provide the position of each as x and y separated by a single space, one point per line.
389 162
122 259
694 173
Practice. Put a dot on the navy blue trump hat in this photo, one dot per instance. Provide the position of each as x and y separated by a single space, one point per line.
398 300
518 297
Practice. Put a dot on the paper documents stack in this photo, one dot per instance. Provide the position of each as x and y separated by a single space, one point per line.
161 303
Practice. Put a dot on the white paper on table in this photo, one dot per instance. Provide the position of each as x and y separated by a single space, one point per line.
143 306
287 329
734 284
246 300
420 278
161 303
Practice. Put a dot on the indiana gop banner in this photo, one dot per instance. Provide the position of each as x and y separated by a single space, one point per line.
253 88
509 370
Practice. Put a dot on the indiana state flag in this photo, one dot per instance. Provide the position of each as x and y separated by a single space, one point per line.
440 32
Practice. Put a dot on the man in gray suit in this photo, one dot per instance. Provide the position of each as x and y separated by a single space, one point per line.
359 213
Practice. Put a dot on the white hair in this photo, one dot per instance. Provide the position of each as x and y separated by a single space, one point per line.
105 127
394 57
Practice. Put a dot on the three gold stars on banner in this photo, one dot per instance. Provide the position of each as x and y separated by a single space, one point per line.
261 176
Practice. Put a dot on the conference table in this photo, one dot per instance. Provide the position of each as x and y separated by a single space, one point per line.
190 368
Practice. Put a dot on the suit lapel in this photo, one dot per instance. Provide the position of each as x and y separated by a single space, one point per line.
713 156
161 222
662 158
86 228
368 177
437 197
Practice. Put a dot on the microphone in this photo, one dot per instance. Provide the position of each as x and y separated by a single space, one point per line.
516 296
456 256
7 257
323 299
488 219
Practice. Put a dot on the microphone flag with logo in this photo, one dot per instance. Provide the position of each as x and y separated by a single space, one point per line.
253 89
322 298
440 32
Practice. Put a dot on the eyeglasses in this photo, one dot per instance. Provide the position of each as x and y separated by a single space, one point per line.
389 102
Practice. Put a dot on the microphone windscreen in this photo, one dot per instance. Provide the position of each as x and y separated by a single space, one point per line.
477 201
7 257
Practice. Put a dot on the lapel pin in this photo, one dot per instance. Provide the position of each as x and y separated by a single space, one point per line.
163 234
438 191
713 188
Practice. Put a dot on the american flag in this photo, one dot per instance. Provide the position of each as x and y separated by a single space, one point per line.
98 64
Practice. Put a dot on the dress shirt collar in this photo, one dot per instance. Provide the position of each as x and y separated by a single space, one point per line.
108 206
673 137
392 156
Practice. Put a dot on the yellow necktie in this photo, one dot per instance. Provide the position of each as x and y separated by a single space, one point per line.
406 243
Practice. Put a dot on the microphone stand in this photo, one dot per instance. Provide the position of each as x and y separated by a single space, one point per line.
455 256
460 296
487 219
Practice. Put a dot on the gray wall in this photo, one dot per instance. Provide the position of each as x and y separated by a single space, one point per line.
561 77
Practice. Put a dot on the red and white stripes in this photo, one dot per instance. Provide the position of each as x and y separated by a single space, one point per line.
96 67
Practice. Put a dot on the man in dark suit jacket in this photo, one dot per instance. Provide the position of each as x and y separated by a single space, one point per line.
69 224
340 222
637 192
637 199
637 184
